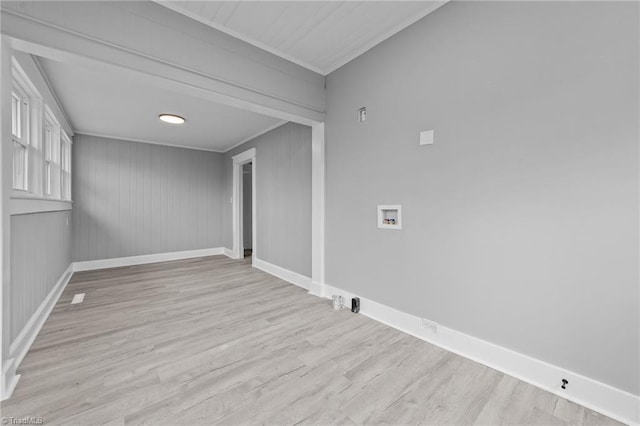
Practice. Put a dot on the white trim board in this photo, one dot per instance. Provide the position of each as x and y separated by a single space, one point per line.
317 205
244 157
22 343
260 133
89 265
197 148
126 139
28 205
615 403
282 273
8 379
239 160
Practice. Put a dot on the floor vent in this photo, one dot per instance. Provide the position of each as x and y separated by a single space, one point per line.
77 298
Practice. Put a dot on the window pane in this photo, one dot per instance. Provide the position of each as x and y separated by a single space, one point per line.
66 186
48 177
65 166
19 166
48 142
63 189
66 155
15 115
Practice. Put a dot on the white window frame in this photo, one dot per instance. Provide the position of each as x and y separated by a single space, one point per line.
36 198
52 149
20 136
65 166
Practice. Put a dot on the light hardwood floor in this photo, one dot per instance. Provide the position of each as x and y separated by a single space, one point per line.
212 340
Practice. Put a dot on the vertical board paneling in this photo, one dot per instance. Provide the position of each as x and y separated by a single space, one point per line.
111 236
283 185
40 253
133 199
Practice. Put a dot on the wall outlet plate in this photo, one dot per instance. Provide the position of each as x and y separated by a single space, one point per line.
426 137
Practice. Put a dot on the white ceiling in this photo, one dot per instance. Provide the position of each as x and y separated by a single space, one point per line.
121 105
319 35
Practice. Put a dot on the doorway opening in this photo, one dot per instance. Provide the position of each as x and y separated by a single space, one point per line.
247 210
244 204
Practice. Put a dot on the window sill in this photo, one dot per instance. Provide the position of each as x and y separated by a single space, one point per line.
27 205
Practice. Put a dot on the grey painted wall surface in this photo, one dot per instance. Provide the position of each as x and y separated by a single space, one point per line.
283 197
134 198
246 205
40 253
520 225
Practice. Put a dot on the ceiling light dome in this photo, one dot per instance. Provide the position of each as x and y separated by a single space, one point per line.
171 118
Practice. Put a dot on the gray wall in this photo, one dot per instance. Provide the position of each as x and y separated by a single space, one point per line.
283 204
134 198
40 253
246 206
520 225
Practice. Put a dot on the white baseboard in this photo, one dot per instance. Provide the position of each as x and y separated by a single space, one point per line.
146 258
615 403
284 274
8 379
227 252
20 346
315 289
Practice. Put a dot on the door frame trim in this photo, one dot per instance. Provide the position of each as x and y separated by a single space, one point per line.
239 160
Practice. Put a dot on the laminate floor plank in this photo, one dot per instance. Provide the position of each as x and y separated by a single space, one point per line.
214 341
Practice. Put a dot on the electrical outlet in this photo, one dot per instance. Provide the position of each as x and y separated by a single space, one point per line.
430 325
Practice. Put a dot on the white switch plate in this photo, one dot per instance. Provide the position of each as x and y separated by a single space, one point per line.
426 137
77 298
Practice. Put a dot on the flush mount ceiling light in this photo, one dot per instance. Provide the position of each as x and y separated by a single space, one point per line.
171 118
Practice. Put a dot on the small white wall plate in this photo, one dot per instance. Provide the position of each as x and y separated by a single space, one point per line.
426 137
